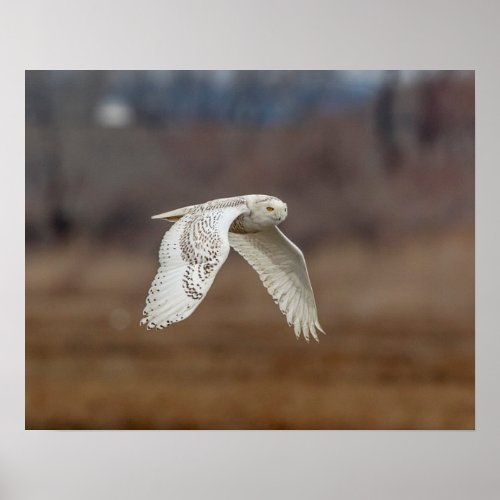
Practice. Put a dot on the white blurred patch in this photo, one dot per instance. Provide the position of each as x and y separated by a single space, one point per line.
119 319
114 113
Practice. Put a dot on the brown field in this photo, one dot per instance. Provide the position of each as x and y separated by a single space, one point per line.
398 354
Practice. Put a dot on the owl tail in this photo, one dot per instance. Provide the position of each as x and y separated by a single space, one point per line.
174 215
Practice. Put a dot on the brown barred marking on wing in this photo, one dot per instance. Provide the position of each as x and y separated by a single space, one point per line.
224 203
200 246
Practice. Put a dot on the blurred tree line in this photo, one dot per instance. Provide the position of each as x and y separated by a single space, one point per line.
370 154
157 98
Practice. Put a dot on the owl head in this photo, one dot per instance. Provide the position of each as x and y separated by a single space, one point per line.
267 210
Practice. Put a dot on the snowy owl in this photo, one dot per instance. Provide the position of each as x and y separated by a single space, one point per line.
195 247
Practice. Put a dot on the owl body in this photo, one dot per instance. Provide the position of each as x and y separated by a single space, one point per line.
194 249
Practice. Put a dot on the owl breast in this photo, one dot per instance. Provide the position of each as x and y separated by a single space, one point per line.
252 223
241 225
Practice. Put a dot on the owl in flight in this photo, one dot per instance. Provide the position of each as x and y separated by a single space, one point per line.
195 247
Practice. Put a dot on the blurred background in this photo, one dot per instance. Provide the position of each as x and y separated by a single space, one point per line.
377 169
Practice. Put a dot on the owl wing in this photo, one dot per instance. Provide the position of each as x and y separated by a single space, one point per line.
191 254
282 269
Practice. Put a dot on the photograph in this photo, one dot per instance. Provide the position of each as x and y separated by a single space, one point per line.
250 249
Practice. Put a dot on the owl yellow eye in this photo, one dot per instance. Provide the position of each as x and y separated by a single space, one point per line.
269 209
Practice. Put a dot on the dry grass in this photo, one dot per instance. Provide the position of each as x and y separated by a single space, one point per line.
399 353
